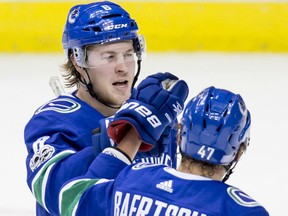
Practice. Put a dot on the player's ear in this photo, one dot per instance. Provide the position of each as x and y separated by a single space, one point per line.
179 133
240 152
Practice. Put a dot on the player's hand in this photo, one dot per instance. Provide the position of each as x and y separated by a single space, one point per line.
155 104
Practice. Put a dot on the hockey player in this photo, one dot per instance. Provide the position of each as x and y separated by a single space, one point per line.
213 135
104 50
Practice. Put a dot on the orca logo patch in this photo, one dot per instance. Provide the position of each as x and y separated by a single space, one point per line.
61 105
241 198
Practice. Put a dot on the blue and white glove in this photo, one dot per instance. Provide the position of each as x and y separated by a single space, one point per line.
100 138
155 104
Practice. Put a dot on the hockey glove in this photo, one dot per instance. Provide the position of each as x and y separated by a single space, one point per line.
100 138
101 141
155 104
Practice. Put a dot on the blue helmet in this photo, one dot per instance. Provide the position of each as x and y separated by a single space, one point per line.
98 23
215 123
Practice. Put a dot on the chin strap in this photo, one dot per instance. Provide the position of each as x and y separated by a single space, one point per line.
229 168
89 87
137 74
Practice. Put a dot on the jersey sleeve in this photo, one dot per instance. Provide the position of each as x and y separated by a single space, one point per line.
86 196
91 193
58 142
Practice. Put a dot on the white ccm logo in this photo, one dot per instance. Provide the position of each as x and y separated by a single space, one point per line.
143 111
117 26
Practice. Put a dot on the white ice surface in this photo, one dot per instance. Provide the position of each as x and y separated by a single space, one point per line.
261 79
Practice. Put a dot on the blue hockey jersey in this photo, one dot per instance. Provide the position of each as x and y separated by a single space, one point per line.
58 141
151 189
59 146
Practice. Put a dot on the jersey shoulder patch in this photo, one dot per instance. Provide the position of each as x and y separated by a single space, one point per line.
241 198
143 165
60 105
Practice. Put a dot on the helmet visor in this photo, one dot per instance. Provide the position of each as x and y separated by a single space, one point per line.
97 56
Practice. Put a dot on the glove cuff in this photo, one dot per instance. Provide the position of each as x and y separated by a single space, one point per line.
119 128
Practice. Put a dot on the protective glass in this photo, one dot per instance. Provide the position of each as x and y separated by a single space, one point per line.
95 58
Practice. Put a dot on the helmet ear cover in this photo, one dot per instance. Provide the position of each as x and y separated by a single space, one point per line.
215 123
139 45
79 56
